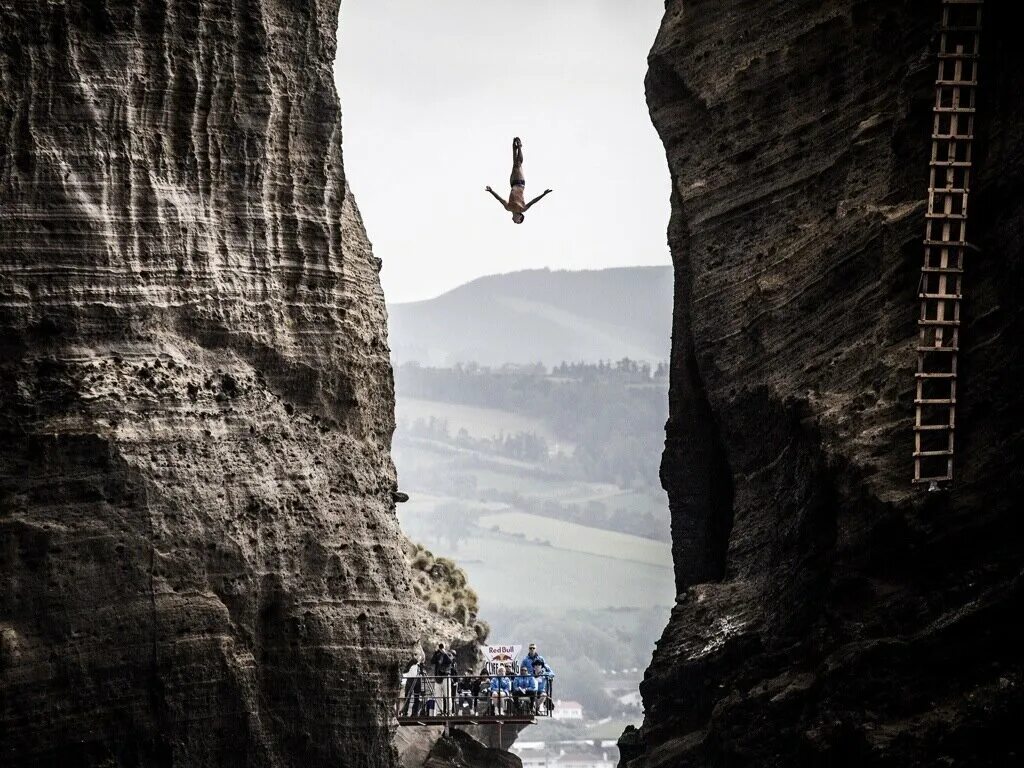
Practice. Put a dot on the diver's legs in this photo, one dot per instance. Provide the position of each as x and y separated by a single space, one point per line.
517 163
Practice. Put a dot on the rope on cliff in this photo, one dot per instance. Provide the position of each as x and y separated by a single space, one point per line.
945 243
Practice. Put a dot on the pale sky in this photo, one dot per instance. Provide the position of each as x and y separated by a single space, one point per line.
432 92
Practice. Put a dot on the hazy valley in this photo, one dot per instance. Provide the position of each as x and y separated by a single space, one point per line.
540 480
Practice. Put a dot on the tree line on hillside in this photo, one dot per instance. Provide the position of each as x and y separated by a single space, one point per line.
522 446
614 412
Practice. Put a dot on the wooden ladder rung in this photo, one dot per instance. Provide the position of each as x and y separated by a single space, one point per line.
957 89
936 479
947 243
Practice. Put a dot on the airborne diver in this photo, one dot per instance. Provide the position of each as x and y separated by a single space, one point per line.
517 180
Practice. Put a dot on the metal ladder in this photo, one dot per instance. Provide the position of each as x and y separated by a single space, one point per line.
940 288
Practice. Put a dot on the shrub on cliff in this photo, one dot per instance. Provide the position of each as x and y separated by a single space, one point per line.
444 588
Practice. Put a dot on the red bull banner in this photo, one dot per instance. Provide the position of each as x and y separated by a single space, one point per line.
506 656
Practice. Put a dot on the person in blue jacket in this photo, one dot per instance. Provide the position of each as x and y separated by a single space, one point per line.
501 688
524 688
543 674
532 657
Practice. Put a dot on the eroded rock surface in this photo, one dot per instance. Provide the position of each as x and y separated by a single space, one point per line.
199 558
828 612
459 750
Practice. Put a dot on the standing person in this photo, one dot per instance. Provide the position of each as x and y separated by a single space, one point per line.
543 674
413 689
443 662
501 688
517 204
532 657
524 688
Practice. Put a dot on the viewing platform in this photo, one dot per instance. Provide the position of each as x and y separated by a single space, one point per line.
470 700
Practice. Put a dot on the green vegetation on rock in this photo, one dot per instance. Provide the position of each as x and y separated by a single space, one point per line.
444 588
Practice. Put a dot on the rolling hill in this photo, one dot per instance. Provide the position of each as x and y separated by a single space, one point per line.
539 316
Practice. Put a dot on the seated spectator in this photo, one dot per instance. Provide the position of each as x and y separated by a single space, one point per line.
483 691
543 674
501 689
524 690
468 691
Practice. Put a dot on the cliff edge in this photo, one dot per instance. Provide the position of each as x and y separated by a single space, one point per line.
200 562
828 612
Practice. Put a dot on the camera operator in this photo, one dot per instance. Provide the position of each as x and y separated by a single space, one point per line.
444 666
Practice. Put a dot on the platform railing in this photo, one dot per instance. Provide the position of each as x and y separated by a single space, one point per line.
470 699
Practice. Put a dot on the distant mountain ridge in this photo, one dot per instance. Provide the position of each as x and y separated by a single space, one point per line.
539 315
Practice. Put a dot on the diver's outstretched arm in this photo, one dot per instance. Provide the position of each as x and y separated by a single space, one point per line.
499 198
537 199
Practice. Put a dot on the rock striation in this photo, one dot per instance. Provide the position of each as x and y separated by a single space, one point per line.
199 558
828 613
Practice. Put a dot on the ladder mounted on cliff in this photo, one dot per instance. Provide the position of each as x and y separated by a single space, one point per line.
940 288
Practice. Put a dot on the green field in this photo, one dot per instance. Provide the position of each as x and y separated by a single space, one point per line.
509 572
425 504
417 457
457 510
565 491
532 485
478 422
580 538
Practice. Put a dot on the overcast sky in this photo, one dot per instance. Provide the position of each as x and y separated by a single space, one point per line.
432 92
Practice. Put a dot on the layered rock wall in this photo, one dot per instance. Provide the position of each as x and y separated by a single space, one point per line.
828 612
199 558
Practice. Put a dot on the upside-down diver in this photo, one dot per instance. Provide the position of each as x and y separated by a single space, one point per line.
516 204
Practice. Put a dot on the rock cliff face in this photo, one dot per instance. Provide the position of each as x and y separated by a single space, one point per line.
828 612
199 558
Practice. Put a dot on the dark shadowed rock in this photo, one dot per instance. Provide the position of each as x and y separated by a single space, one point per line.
460 750
828 612
199 558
